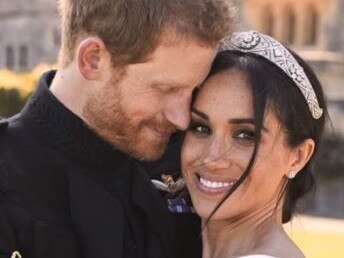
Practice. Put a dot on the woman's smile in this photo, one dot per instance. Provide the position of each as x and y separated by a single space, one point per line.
209 185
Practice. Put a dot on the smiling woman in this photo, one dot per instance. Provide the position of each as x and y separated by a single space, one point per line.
256 126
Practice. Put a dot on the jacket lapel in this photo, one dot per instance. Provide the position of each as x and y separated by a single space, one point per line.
146 197
97 216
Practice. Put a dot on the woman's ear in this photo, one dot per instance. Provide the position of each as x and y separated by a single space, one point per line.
301 155
91 56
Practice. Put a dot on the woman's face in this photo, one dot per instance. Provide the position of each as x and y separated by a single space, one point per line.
218 147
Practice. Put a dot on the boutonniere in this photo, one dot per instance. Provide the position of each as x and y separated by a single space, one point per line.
167 184
16 254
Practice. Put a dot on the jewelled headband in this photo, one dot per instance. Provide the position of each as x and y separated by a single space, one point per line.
269 48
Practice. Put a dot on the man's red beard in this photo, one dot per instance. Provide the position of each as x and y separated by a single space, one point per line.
135 138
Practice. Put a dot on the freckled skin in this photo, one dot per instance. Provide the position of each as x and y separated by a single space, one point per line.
223 152
138 112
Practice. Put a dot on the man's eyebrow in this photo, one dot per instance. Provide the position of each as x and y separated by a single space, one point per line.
245 121
199 113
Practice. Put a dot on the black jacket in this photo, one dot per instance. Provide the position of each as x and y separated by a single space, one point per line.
65 193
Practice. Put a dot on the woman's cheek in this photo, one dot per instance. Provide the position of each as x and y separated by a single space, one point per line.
192 151
192 160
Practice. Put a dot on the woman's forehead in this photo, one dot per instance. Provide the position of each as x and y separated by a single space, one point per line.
227 91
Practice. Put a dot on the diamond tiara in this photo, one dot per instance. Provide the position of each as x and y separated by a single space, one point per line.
269 48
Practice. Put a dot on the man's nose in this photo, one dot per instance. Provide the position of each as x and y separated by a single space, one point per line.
178 111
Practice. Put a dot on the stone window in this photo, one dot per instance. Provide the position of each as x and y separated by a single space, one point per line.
10 57
23 56
296 23
267 21
313 24
291 17
56 37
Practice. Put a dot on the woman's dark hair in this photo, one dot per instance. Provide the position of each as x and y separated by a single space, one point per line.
274 89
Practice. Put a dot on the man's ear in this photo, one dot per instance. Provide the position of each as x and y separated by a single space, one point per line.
301 155
91 56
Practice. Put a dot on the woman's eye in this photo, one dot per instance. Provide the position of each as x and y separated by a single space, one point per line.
246 135
200 129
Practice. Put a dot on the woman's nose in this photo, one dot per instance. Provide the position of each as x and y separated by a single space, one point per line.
218 156
216 164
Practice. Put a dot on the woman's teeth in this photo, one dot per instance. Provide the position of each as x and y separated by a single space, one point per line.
214 184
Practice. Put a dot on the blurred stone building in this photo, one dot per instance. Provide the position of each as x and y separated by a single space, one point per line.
29 33
311 27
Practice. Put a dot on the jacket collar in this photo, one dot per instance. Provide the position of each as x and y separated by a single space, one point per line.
55 125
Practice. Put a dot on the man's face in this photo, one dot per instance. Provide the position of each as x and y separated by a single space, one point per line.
138 112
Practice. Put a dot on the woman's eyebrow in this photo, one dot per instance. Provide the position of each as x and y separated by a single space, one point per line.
199 113
231 121
241 121
245 121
